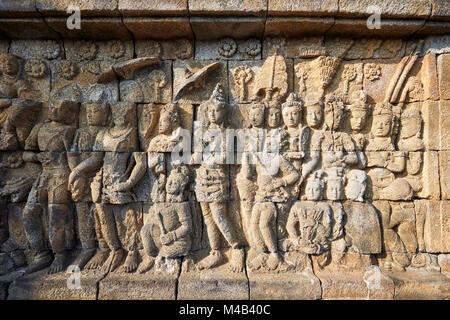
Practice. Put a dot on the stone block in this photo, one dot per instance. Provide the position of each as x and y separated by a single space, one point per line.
98 28
299 8
27 28
153 8
87 8
443 66
228 8
353 278
420 285
389 28
444 165
209 28
18 8
159 27
160 283
300 284
440 10
59 286
296 27
212 284
406 9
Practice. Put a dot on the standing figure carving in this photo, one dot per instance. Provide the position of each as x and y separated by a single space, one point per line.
212 187
82 148
122 167
52 139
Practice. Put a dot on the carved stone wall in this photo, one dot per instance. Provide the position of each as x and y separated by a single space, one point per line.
232 163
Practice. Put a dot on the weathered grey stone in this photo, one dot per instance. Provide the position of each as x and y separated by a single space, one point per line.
297 26
153 8
443 66
208 28
444 161
60 286
390 28
87 8
15 8
407 9
158 27
440 10
301 284
353 278
27 28
318 8
229 8
157 284
99 28
216 283
420 285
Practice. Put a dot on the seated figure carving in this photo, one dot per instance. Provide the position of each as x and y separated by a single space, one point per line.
173 219
309 222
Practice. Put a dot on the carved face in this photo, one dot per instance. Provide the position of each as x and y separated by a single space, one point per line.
274 119
382 125
10 66
334 189
357 120
313 190
174 184
96 116
355 190
167 122
291 117
334 119
256 117
410 127
57 112
314 116
215 113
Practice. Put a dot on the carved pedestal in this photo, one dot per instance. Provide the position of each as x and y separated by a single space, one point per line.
156 284
353 278
300 284
59 286
214 284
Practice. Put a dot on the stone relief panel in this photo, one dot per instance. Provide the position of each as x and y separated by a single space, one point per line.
274 165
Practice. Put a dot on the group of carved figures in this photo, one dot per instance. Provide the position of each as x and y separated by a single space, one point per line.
315 202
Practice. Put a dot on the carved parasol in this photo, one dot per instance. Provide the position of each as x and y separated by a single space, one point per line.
126 69
272 79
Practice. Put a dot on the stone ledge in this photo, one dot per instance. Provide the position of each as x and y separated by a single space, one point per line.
407 9
153 8
89 8
256 8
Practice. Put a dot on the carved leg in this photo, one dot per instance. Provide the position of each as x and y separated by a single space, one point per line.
57 235
86 232
215 257
103 252
256 238
3 222
267 225
35 236
149 249
109 231
246 213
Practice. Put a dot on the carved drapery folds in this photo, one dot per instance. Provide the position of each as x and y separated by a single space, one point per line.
309 160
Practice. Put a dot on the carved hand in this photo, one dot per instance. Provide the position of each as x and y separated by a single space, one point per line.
4 103
167 238
122 186
72 177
